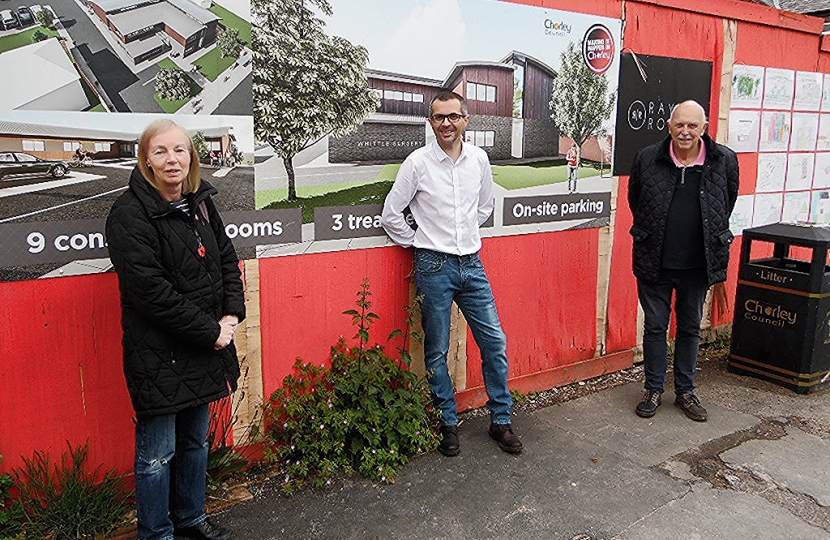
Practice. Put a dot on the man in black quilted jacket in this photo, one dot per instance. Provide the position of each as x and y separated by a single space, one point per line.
681 193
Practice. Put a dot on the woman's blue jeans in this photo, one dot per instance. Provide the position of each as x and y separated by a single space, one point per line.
690 287
171 454
441 279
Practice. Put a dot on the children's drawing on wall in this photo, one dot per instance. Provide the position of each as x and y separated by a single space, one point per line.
823 136
796 207
747 86
744 129
825 94
370 68
799 172
775 131
779 85
820 207
772 172
767 208
804 131
808 91
821 176
741 217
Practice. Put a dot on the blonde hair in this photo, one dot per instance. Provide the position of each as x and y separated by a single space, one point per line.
194 173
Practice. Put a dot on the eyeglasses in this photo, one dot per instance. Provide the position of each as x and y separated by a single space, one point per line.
454 118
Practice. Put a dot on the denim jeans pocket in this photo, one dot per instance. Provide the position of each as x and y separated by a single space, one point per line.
429 262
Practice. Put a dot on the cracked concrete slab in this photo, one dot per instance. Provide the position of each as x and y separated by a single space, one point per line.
799 462
609 420
711 514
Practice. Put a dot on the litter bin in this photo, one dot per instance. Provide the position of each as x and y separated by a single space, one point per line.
781 328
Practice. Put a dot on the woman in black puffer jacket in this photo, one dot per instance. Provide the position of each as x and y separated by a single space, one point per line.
182 300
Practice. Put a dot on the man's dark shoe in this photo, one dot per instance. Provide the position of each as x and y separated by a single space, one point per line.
449 441
648 405
691 406
508 441
206 530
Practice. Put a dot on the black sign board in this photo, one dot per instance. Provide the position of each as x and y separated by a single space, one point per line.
64 241
645 106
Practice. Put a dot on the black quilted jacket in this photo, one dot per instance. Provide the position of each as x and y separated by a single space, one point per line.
650 191
172 298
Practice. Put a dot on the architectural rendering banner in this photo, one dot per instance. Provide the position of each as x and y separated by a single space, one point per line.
339 106
534 79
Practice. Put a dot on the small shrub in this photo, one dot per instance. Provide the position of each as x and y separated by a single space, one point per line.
367 413
65 502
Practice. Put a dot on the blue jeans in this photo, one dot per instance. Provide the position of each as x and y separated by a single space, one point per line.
441 279
171 471
655 297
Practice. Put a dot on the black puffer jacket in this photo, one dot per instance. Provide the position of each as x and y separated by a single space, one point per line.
650 192
172 298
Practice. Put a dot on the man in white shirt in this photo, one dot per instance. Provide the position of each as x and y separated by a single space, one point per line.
448 187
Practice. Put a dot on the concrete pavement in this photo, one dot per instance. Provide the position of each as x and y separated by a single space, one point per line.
591 470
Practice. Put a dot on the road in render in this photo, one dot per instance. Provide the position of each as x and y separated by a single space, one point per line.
93 199
271 174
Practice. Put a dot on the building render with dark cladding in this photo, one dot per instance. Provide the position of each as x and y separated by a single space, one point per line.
504 127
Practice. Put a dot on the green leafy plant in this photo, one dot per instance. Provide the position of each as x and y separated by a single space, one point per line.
367 413
11 513
521 398
64 501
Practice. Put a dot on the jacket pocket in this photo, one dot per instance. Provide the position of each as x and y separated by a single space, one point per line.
638 233
725 237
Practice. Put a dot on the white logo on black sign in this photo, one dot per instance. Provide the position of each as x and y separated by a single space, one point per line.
636 115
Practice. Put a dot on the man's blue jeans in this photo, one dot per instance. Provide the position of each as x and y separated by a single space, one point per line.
171 471
655 297
441 279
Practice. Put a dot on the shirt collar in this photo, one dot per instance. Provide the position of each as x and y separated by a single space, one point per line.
701 156
440 155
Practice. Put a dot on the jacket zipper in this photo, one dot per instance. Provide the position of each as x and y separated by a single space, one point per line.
201 250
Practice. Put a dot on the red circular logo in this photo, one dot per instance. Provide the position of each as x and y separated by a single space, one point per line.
598 49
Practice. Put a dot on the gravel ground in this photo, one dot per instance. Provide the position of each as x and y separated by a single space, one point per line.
537 400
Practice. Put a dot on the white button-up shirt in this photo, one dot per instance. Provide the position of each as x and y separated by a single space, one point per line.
449 201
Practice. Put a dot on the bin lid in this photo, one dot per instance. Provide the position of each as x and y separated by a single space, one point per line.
806 234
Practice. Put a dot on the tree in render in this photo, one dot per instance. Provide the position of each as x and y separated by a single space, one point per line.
306 84
230 43
580 98
171 84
